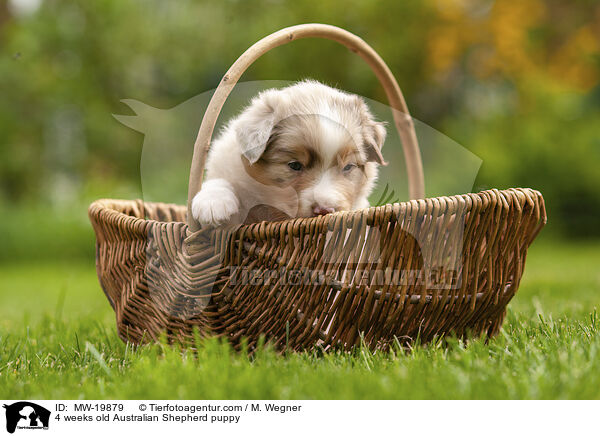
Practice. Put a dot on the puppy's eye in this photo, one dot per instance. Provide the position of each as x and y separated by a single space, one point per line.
295 165
349 167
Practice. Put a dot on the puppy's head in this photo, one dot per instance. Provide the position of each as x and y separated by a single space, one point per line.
322 142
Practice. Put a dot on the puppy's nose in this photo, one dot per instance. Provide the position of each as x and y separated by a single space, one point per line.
320 210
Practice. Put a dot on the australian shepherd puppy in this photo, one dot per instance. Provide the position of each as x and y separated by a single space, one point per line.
300 151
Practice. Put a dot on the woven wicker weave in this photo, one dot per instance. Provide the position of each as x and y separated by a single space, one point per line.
330 281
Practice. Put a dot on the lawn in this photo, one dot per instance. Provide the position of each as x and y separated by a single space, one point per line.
58 340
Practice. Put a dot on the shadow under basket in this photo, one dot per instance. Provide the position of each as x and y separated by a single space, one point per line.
422 268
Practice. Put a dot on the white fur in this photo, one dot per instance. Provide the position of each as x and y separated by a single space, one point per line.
323 193
216 203
229 192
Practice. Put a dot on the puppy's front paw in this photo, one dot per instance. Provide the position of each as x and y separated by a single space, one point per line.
216 204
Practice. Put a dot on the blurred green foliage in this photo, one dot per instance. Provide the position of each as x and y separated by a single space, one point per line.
516 83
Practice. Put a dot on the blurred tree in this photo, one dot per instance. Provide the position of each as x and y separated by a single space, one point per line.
514 82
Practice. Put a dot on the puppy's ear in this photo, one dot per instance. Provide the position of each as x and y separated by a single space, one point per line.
374 138
373 133
254 126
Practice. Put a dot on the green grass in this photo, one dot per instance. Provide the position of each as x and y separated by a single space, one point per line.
58 340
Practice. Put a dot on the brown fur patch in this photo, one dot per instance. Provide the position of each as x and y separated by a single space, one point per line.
300 139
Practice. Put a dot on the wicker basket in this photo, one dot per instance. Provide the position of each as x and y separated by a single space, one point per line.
329 281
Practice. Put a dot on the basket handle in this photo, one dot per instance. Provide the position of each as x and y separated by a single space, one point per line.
402 119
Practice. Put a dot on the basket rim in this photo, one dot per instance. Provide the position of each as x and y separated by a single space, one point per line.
111 207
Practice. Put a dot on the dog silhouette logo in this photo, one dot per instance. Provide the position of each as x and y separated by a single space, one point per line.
26 415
